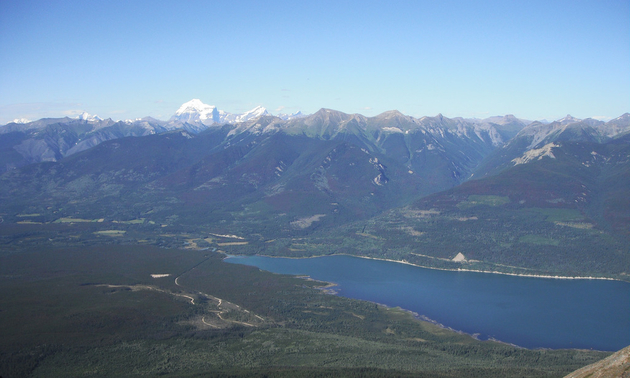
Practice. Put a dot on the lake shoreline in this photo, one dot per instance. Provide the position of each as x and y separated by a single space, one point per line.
484 271
328 286
556 277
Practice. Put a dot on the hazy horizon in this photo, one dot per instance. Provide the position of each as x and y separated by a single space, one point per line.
80 114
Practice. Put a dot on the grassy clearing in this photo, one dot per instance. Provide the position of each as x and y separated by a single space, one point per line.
133 221
307 221
559 215
367 235
75 220
580 225
110 232
488 200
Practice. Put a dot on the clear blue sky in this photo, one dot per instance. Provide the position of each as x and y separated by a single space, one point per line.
129 59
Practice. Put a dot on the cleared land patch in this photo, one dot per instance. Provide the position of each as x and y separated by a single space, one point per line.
308 221
111 232
477 200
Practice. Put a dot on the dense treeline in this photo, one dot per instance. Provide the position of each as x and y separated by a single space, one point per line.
98 312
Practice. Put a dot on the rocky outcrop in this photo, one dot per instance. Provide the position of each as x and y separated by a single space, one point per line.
614 366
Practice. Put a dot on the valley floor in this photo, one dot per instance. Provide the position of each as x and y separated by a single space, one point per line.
113 310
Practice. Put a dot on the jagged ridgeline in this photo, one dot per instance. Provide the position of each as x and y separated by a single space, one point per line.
329 162
497 194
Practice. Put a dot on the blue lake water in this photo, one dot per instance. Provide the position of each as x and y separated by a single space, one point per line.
529 312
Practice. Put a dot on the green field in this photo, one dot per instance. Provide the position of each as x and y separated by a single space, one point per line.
488 200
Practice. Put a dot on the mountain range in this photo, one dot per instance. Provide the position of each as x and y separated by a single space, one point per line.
50 139
500 194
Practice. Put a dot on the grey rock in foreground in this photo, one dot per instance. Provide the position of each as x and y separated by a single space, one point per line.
614 366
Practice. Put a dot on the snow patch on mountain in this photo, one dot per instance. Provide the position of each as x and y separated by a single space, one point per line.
288 117
21 120
130 121
536 154
568 120
392 130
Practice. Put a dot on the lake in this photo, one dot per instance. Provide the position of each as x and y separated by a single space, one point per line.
525 311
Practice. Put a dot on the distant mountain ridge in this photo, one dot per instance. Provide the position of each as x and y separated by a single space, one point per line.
53 138
391 186
50 139
538 136
365 164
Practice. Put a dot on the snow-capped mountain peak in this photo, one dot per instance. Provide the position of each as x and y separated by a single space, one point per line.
195 111
257 112
85 116
21 120
195 106
568 119
287 117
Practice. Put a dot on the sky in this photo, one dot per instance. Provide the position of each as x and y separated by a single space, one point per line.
475 59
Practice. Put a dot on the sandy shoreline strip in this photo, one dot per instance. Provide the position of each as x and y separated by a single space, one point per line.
487 271
556 277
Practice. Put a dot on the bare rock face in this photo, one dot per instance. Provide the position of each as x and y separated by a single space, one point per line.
615 366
